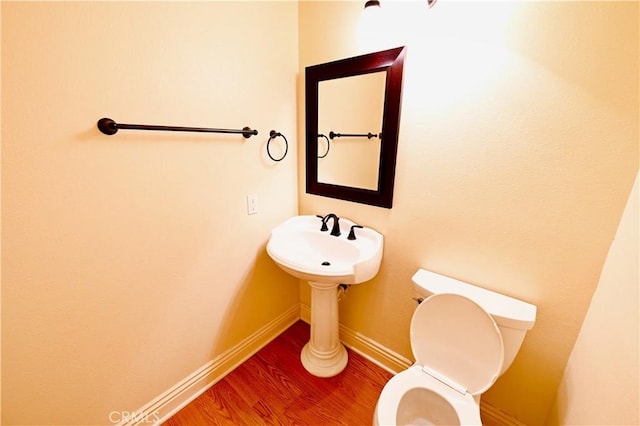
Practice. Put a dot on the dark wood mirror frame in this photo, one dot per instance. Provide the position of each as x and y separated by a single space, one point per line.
391 61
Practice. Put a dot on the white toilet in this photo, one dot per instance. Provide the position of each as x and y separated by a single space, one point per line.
463 338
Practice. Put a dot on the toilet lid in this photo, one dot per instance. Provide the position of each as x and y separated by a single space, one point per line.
454 338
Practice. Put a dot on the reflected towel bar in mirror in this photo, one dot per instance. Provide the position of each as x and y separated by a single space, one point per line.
369 135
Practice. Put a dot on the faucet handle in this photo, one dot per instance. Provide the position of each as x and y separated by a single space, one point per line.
352 233
324 223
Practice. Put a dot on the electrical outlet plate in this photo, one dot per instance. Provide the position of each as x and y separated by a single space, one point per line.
252 204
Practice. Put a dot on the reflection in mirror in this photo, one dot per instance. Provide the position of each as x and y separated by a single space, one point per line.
352 121
350 114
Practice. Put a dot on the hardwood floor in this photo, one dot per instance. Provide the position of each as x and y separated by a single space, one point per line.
272 387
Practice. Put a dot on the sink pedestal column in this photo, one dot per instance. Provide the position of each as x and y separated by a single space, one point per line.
324 355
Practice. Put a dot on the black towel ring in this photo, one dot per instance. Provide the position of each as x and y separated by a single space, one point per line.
272 135
328 145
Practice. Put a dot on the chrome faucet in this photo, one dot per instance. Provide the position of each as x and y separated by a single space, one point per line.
335 231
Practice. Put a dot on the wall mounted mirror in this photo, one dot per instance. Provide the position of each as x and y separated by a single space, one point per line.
352 121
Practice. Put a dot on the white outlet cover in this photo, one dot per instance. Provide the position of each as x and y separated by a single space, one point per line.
252 204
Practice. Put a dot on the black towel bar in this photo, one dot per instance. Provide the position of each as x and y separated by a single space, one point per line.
110 127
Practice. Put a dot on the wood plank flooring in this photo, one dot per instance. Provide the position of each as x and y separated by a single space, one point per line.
272 387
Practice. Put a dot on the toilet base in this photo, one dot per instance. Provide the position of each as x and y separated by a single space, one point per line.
324 365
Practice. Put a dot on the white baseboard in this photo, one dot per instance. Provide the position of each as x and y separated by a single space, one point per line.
365 346
182 393
495 416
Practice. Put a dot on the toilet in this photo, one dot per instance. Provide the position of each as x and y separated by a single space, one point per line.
463 338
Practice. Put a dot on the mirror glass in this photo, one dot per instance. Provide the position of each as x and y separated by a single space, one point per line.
352 120
350 114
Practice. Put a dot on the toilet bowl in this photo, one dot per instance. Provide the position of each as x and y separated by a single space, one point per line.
410 398
460 350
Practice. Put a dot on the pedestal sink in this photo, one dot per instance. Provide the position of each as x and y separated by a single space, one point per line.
300 248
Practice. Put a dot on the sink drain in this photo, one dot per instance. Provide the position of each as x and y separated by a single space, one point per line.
325 263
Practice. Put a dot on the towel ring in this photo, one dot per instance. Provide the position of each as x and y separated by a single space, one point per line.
272 135
328 145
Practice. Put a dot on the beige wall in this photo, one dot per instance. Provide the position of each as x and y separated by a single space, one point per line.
129 261
518 148
601 381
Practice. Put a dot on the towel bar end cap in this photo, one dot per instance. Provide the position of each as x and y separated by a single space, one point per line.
247 132
107 126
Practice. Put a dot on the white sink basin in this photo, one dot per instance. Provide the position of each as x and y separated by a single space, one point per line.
301 249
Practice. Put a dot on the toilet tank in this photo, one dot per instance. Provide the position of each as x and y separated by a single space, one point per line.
513 317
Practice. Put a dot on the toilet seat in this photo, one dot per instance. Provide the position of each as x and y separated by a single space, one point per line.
465 407
459 354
